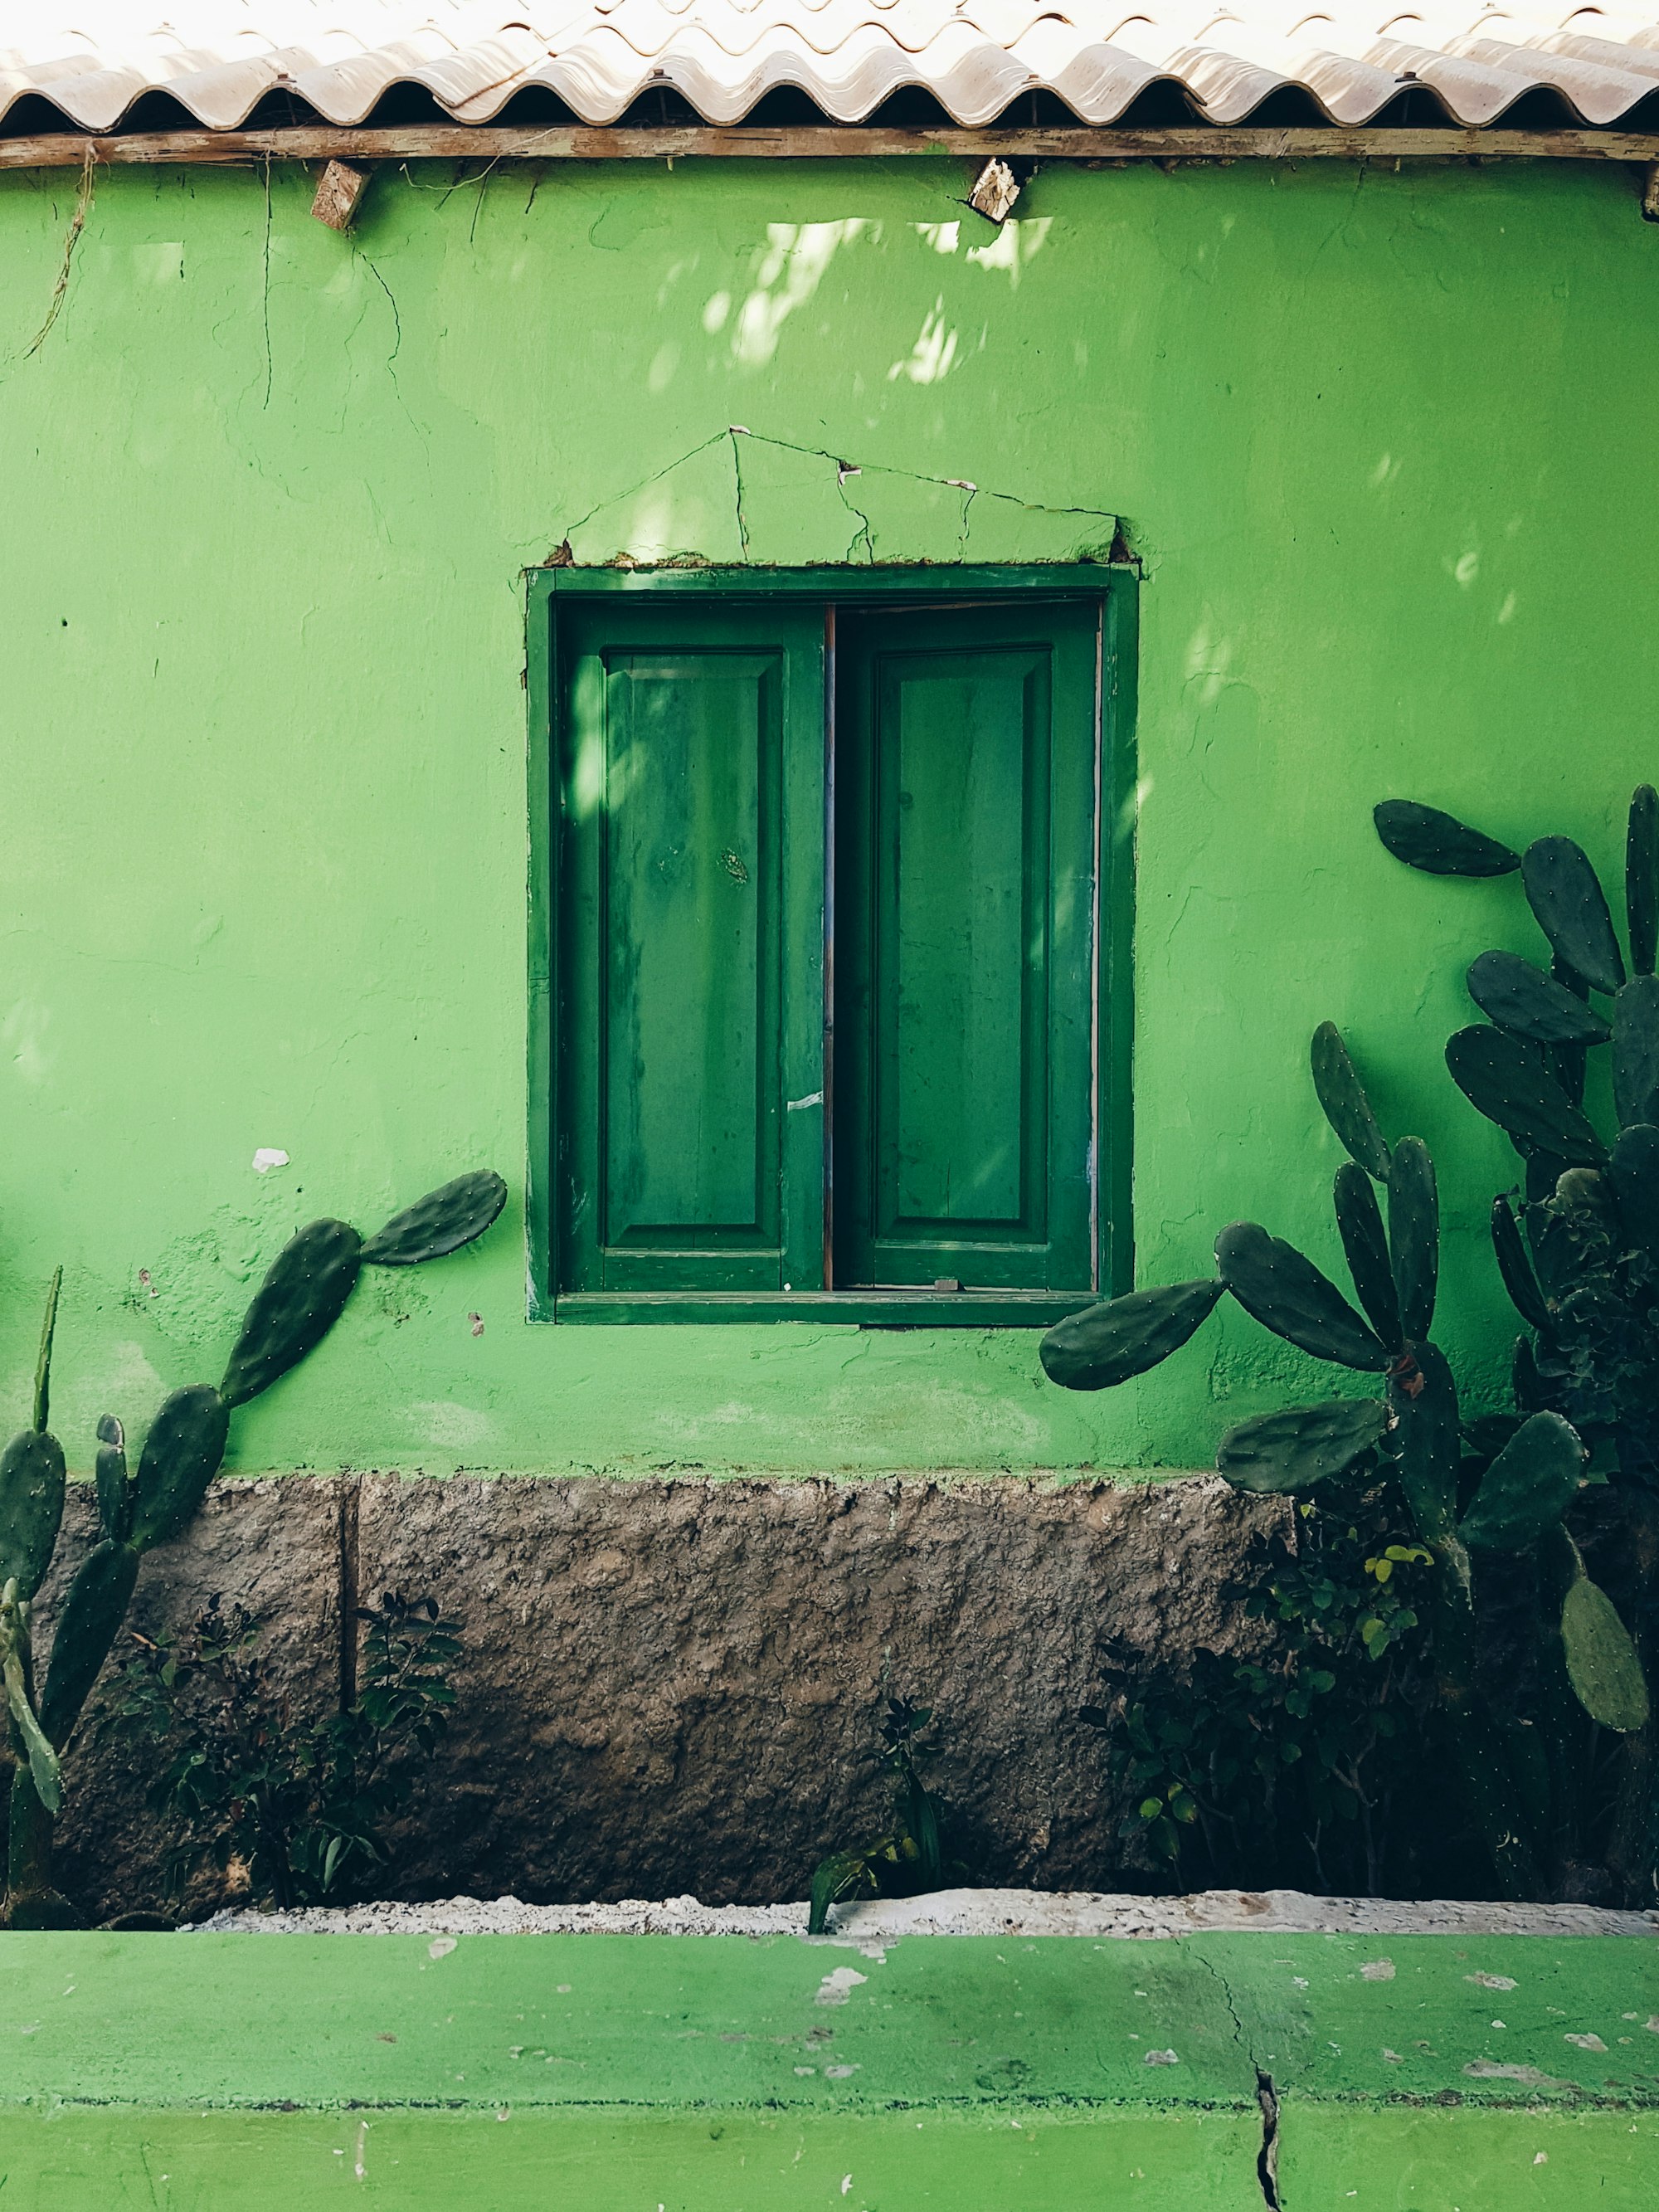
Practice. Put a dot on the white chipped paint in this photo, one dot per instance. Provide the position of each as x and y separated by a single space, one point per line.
1585 2042
838 1985
441 1947
268 1156
1160 2058
1491 1981
1378 1970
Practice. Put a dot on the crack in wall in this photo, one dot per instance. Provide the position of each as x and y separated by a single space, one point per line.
265 295
1121 548
1266 2159
77 224
844 470
350 1596
734 432
1266 2094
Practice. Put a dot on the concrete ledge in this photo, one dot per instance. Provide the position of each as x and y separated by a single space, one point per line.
720 2075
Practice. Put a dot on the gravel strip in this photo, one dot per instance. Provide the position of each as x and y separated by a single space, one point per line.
955 1913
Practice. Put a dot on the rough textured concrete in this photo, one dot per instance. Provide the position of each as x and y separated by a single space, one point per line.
274 1546
670 1686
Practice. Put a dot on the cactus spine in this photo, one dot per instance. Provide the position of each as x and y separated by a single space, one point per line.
302 1297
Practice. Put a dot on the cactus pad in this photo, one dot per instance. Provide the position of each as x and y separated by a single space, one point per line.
1522 999
1345 1106
1107 1344
1601 1662
1642 879
14 1675
87 1626
1565 896
1423 837
1414 1234
181 1455
1527 1487
440 1222
1634 1173
294 1308
1291 1451
31 1507
1427 1445
43 1363
1283 1290
113 1485
1508 1080
1516 1268
1636 1052
1359 1220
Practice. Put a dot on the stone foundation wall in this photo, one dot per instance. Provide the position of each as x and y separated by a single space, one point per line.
672 1686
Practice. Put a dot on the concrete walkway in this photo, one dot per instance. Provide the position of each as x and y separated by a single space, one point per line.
1213 2072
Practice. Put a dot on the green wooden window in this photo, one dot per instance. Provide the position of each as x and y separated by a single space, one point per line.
829 948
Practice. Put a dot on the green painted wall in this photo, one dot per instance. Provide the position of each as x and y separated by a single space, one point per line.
1383 441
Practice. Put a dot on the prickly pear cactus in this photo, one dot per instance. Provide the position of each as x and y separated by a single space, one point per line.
32 1481
440 1222
294 1308
1413 1433
88 1625
1510 1081
1283 1290
1423 837
182 1454
114 1483
27 1732
1287 1453
1565 894
1105 1344
302 1297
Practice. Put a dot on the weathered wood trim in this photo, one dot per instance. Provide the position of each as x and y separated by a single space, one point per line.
484 142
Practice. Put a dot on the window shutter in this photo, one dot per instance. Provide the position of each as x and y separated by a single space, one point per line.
965 901
689 910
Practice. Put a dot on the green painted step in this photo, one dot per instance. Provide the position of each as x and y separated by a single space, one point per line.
722 2075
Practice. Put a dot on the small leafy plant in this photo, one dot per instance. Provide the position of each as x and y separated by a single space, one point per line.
301 1804
914 1856
1295 1764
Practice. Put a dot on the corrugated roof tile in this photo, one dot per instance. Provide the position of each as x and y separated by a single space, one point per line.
218 58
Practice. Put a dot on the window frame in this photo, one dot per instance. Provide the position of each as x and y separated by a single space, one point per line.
1112 588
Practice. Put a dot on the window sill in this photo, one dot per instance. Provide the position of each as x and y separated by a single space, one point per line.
918 1308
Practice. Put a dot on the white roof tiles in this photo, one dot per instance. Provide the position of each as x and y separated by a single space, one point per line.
218 58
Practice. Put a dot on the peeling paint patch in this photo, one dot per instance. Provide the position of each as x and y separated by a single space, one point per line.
838 1985
1378 1970
1488 2069
268 1156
